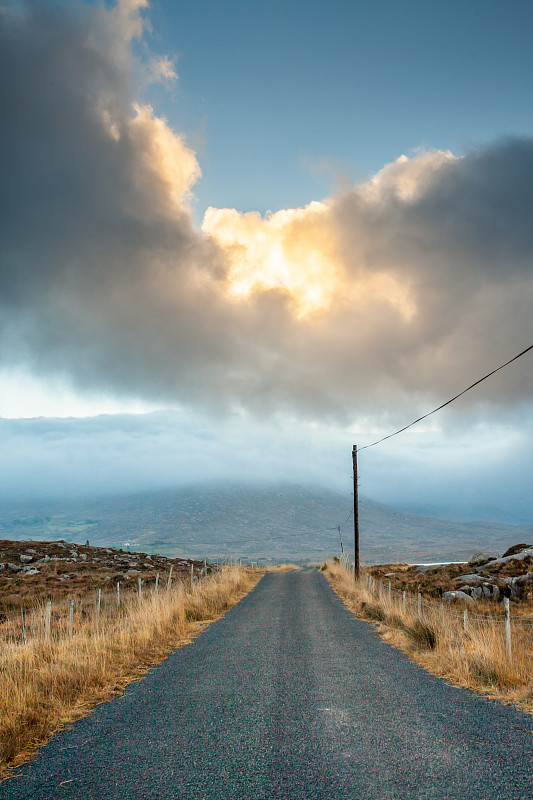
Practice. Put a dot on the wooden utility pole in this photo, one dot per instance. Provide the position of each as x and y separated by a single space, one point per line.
355 514
340 537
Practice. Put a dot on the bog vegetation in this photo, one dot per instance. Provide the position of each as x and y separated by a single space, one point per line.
471 652
48 680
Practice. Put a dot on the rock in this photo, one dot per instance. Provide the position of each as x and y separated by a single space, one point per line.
527 553
450 597
82 556
390 575
472 580
34 552
476 592
25 558
15 567
133 572
29 570
481 558
522 580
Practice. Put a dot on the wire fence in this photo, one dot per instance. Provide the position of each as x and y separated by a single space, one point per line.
50 620
513 626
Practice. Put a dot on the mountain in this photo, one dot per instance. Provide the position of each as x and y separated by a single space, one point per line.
275 522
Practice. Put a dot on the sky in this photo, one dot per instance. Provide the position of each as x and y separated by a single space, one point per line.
237 238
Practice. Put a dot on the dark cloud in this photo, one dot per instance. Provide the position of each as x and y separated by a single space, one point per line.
104 279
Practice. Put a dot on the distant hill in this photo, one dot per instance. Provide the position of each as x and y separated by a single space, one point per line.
282 522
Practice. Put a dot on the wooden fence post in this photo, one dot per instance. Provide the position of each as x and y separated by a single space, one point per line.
157 583
71 618
23 626
508 630
139 587
98 603
192 573
47 619
419 604
404 600
465 620
169 581
389 590
118 593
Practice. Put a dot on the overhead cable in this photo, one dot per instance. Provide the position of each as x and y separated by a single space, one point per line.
447 403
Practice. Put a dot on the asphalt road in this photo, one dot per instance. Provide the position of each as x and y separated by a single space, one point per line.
288 696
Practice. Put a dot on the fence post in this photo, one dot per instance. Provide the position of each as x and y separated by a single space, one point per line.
71 618
47 619
419 604
23 626
139 587
465 620
157 583
169 581
192 573
118 593
98 603
389 590
508 630
404 600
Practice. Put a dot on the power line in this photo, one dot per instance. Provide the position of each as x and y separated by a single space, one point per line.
447 403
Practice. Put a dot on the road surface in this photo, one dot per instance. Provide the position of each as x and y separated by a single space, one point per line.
288 696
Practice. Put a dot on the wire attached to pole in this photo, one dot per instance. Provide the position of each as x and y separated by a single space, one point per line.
447 403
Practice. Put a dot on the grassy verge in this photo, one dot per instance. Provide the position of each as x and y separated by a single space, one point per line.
436 639
45 684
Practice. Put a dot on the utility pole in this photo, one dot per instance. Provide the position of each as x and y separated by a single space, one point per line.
340 537
355 514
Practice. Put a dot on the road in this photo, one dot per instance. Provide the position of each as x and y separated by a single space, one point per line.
287 696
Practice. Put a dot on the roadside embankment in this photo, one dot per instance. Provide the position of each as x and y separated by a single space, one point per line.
62 668
484 652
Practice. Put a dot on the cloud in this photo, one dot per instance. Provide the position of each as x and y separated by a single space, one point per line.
485 474
374 303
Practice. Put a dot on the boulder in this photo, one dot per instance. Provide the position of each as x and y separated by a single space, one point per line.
472 580
476 592
450 597
29 570
527 553
25 558
481 558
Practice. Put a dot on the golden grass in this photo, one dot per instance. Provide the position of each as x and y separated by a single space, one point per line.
45 684
475 659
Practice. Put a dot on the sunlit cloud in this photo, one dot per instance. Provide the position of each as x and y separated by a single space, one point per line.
372 303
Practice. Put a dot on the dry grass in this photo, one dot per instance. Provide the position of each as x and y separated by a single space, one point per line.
45 684
475 659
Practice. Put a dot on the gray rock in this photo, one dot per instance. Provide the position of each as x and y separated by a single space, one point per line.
390 575
450 597
476 592
481 558
25 558
522 580
472 580
29 570
526 553
15 567
82 556
34 552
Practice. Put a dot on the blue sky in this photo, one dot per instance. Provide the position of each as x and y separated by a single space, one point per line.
392 144
270 92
